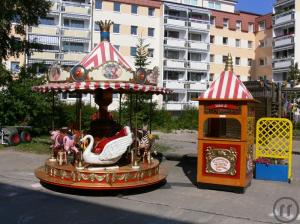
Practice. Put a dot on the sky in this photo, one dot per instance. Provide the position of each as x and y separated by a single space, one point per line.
256 6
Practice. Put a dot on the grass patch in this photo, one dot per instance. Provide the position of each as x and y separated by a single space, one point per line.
34 147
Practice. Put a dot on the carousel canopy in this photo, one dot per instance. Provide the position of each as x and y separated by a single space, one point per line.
102 53
227 87
103 68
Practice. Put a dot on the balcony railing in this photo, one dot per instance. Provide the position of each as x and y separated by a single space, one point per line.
284 17
282 63
198 45
175 63
199 24
175 42
198 65
73 56
174 84
175 21
75 32
45 56
284 40
83 9
198 86
44 29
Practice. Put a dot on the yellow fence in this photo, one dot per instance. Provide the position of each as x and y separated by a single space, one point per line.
274 139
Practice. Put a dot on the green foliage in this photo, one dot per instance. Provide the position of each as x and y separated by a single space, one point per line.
142 55
25 13
294 72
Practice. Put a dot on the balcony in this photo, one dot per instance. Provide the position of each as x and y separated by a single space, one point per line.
198 86
175 42
45 56
54 7
175 21
73 8
78 33
173 84
73 56
199 24
174 63
173 106
284 17
282 63
283 41
45 30
198 45
197 65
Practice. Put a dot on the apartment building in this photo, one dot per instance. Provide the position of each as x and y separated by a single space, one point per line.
185 53
232 33
262 66
285 34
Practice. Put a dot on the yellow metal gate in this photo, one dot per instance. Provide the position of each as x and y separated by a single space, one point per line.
274 139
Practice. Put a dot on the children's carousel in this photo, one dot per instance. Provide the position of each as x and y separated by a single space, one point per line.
107 156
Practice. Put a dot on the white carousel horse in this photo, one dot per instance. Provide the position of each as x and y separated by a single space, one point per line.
112 151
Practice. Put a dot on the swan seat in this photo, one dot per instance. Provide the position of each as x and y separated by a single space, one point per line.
112 151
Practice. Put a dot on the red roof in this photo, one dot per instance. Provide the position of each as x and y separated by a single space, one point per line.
227 87
103 53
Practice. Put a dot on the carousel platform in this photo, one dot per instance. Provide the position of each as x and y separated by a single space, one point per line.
101 178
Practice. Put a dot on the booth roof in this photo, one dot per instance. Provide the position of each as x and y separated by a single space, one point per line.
123 87
226 87
103 53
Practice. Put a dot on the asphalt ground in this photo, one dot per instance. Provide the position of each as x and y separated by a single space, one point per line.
24 200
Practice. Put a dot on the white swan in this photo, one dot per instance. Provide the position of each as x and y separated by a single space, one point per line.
112 151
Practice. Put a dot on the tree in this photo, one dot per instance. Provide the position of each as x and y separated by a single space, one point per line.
24 13
142 54
294 72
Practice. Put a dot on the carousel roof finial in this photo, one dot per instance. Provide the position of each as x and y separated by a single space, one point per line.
104 28
229 64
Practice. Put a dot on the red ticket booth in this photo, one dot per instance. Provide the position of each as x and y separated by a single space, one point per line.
226 133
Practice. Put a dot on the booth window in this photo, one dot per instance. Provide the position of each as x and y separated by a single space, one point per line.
222 128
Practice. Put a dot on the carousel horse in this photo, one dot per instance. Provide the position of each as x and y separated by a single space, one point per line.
69 143
57 138
110 150
144 146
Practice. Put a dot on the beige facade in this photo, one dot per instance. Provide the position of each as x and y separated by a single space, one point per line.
262 67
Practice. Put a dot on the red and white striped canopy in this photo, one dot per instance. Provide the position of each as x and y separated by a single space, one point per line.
103 53
227 87
124 87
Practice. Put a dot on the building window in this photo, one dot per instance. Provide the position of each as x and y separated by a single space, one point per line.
261 61
225 23
238 42
15 67
249 62
74 23
194 57
47 21
212 58
225 40
190 2
117 7
238 61
250 44
116 28
214 5
211 76
212 20
261 25
132 51
238 25
224 59
151 11
96 27
151 52
73 47
98 4
134 9
133 30
261 43
117 47
150 32
212 39
250 27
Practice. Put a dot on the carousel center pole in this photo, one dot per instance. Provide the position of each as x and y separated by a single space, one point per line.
150 116
52 122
